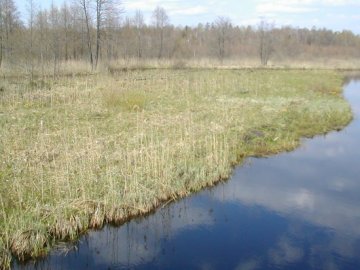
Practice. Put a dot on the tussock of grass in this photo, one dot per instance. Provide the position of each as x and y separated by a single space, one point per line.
105 148
128 101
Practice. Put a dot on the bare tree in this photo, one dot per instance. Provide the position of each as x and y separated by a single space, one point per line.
110 34
55 46
265 39
223 25
182 44
85 7
42 27
65 21
99 17
139 25
1 32
31 8
104 9
160 21
127 37
78 34
9 21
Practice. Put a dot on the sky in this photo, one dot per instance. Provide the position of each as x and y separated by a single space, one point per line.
332 14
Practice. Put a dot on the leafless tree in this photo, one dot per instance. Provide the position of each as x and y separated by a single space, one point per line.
65 22
78 32
9 21
223 25
99 18
42 26
104 9
266 42
85 7
110 31
128 40
139 25
31 55
55 44
1 32
160 21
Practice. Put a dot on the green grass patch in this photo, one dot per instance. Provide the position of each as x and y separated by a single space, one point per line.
132 100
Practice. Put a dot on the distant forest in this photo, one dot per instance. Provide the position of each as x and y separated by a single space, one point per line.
98 31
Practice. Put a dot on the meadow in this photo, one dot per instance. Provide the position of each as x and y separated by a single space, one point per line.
77 152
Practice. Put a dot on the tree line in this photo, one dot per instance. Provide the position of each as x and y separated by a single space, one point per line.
99 31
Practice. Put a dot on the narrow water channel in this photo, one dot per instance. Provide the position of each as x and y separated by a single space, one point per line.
298 210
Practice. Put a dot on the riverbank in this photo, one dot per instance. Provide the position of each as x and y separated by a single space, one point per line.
79 152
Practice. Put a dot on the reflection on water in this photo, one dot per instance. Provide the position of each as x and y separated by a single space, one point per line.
298 210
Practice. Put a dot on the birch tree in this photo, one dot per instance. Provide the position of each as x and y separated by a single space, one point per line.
265 40
9 22
139 25
1 33
160 21
85 7
104 10
30 54
223 26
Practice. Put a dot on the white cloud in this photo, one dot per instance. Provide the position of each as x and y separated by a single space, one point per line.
285 253
251 264
171 6
299 6
340 2
298 13
283 6
190 11
149 5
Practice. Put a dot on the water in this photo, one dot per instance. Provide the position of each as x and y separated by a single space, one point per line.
298 210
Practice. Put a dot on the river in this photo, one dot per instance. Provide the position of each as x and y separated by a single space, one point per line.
298 210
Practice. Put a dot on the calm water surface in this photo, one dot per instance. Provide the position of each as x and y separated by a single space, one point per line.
298 210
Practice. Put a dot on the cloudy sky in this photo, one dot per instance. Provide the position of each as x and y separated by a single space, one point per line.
333 14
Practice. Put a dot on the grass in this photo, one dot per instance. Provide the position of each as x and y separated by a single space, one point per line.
81 151
114 67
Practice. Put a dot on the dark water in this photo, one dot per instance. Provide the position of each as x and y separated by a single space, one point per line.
298 210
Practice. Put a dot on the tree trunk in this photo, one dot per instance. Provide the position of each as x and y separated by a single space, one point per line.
88 35
139 52
1 51
161 43
98 35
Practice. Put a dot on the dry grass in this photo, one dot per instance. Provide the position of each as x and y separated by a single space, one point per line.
238 63
81 151
81 67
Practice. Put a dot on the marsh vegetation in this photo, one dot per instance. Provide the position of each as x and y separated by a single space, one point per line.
77 152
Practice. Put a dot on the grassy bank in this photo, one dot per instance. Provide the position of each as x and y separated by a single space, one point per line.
81 151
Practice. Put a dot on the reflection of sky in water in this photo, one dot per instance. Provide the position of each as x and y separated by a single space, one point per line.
298 210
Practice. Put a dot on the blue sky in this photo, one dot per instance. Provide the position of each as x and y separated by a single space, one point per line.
332 14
